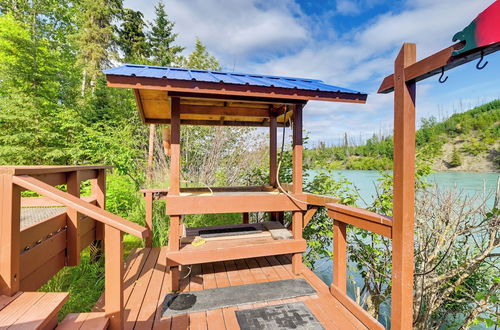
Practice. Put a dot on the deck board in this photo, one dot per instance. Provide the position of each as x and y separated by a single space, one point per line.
146 287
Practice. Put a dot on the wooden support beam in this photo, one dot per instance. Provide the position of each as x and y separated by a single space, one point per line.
404 191
175 178
175 147
273 151
432 65
74 233
340 256
113 268
309 214
297 216
10 215
224 111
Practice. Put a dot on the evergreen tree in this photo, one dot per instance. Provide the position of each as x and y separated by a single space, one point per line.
95 38
200 58
456 160
162 37
132 38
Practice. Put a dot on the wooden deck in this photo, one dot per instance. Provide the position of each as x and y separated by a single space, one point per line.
146 286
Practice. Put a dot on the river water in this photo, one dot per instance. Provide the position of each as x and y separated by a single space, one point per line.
365 181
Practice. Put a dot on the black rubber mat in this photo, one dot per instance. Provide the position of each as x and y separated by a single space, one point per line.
285 316
204 300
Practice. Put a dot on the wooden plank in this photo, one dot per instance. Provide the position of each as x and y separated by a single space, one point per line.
267 269
88 238
359 213
38 232
113 267
159 322
230 320
41 313
362 315
224 111
12 312
208 276
175 130
95 321
88 174
198 321
378 228
232 249
44 273
278 268
81 206
133 273
153 296
320 200
340 255
256 271
36 257
196 278
5 300
404 192
73 321
273 151
215 319
180 322
141 285
221 277
232 273
245 202
10 214
48 169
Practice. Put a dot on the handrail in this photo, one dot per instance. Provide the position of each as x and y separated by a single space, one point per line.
360 213
81 206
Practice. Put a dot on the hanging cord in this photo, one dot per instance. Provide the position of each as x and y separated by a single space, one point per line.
281 159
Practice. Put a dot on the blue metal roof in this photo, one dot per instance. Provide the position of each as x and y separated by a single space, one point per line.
147 71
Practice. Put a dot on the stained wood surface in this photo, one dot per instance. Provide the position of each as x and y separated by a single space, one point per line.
31 310
84 321
146 286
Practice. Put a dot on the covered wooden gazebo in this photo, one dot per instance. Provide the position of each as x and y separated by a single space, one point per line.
178 96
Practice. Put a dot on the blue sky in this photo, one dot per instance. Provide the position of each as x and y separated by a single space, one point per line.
349 43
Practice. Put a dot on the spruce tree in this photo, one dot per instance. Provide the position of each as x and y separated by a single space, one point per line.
162 37
200 58
132 38
95 38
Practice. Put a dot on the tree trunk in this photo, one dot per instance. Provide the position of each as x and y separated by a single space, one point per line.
149 171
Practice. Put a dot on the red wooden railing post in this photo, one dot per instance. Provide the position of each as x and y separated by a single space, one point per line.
99 191
10 218
73 232
149 218
404 191
113 291
340 256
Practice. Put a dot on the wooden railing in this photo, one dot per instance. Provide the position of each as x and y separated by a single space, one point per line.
67 233
343 215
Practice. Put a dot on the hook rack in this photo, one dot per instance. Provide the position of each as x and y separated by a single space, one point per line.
441 80
478 65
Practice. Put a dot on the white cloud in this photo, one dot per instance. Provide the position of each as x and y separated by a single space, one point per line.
275 37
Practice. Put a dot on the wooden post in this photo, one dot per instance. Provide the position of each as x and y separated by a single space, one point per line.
73 231
297 216
149 218
246 217
273 157
10 215
174 190
149 171
404 191
339 256
98 189
113 291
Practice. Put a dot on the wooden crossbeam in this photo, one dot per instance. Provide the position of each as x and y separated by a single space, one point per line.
433 64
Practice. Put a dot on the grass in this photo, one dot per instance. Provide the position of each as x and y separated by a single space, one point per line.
85 282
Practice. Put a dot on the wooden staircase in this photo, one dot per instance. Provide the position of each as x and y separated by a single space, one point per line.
38 310
31 310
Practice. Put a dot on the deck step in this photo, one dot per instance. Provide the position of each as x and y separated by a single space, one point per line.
32 310
84 321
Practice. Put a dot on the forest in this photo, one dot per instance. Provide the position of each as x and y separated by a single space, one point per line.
56 109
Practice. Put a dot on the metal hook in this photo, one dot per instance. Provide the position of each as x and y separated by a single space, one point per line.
441 80
478 65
